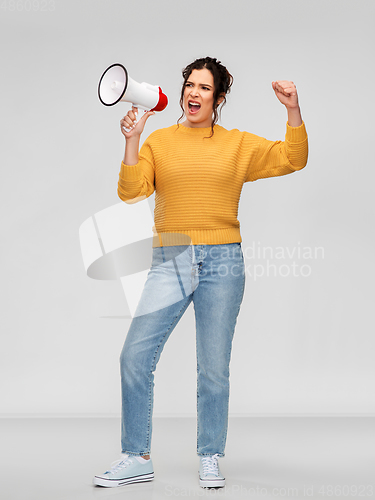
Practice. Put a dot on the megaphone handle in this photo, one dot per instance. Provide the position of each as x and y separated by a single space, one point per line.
136 112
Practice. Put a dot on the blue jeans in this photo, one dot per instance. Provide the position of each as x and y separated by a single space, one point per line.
213 278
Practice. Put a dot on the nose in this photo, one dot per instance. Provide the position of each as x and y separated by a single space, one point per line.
193 91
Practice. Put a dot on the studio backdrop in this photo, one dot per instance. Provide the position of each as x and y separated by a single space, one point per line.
304 341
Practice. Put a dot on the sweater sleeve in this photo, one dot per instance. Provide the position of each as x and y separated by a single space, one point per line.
276 158
137 182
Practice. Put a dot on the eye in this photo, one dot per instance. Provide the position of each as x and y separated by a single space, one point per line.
205 88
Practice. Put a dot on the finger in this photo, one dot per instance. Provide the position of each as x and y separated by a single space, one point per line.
290 90
146 115
283 90
124 124
286 86
279 89
126 127
284 82
132 115
125 131
128 122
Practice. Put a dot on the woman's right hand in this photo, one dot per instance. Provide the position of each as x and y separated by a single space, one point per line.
129 126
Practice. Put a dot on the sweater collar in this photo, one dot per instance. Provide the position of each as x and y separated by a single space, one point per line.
195 130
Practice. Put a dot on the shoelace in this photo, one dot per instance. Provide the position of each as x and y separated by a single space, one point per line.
210 465
120 464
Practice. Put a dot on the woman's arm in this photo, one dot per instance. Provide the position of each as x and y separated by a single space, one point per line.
136 179
294 117
131 154
132 131
275 158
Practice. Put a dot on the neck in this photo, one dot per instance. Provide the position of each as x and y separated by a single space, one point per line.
189 124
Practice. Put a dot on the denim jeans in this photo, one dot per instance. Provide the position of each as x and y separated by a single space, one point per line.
213 278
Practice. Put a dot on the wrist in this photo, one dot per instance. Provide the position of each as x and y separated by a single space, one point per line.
134 139
294 116
292 106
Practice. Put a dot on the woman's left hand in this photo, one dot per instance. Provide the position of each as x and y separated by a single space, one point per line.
286 93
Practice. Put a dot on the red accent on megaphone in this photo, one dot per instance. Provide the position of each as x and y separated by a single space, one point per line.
163 102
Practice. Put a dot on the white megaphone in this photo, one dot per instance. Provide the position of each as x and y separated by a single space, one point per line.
115 85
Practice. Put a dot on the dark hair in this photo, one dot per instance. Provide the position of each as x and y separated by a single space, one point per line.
223 81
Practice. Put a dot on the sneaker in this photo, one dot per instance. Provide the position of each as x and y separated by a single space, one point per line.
129 469
209 473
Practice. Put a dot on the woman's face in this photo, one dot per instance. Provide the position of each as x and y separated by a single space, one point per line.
199 98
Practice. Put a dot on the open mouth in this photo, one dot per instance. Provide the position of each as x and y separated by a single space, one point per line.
194 107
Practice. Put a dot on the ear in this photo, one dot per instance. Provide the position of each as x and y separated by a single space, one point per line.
220 99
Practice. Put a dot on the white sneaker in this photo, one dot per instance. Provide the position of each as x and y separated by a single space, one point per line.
209 473
129 469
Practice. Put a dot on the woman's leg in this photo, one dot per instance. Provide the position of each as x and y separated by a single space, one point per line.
217 301
166 296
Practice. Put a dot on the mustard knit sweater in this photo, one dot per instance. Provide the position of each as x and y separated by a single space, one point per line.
198 180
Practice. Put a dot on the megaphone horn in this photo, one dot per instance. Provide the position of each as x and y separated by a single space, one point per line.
115 85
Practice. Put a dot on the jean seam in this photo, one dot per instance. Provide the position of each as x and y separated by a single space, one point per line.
230 354
153 367
222 454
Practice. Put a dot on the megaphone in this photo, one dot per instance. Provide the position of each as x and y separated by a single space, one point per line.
115 85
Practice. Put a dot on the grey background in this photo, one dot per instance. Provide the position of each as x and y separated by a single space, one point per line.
303 345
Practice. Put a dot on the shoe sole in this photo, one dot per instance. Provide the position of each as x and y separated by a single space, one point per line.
113 483
211 483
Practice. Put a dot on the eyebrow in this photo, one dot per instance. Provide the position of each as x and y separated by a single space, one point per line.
202 84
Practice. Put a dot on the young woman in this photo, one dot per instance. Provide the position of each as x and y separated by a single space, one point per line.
197 169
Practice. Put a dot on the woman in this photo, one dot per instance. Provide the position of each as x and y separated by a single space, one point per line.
197 169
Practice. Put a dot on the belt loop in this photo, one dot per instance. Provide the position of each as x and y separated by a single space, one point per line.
192 253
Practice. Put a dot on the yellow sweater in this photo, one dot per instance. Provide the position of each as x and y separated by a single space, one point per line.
198 180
